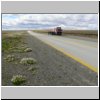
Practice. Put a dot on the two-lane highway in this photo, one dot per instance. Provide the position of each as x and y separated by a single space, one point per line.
83 51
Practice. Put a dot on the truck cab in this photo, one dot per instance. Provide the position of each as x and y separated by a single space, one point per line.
59 31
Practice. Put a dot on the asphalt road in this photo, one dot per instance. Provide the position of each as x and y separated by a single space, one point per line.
83 51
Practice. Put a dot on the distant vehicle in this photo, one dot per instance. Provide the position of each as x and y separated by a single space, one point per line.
56 31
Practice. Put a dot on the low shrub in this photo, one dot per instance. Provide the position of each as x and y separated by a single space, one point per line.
28 61
10 58
18 79
28 50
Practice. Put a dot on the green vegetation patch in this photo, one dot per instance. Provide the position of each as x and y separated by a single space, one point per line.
28 61
18 49
18 79
8 43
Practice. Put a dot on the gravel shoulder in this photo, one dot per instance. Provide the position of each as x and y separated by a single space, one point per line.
52 68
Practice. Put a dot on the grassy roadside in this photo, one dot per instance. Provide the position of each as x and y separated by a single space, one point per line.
14 51
9 43
85 33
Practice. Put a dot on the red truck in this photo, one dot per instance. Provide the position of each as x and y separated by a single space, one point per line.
56 31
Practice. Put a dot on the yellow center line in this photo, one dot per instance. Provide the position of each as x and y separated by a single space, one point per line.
73 57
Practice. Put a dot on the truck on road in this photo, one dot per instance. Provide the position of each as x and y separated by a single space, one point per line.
56 31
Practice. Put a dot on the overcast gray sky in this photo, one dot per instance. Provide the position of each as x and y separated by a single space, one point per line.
47 21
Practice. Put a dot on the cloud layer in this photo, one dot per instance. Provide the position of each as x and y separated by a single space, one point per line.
45 21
